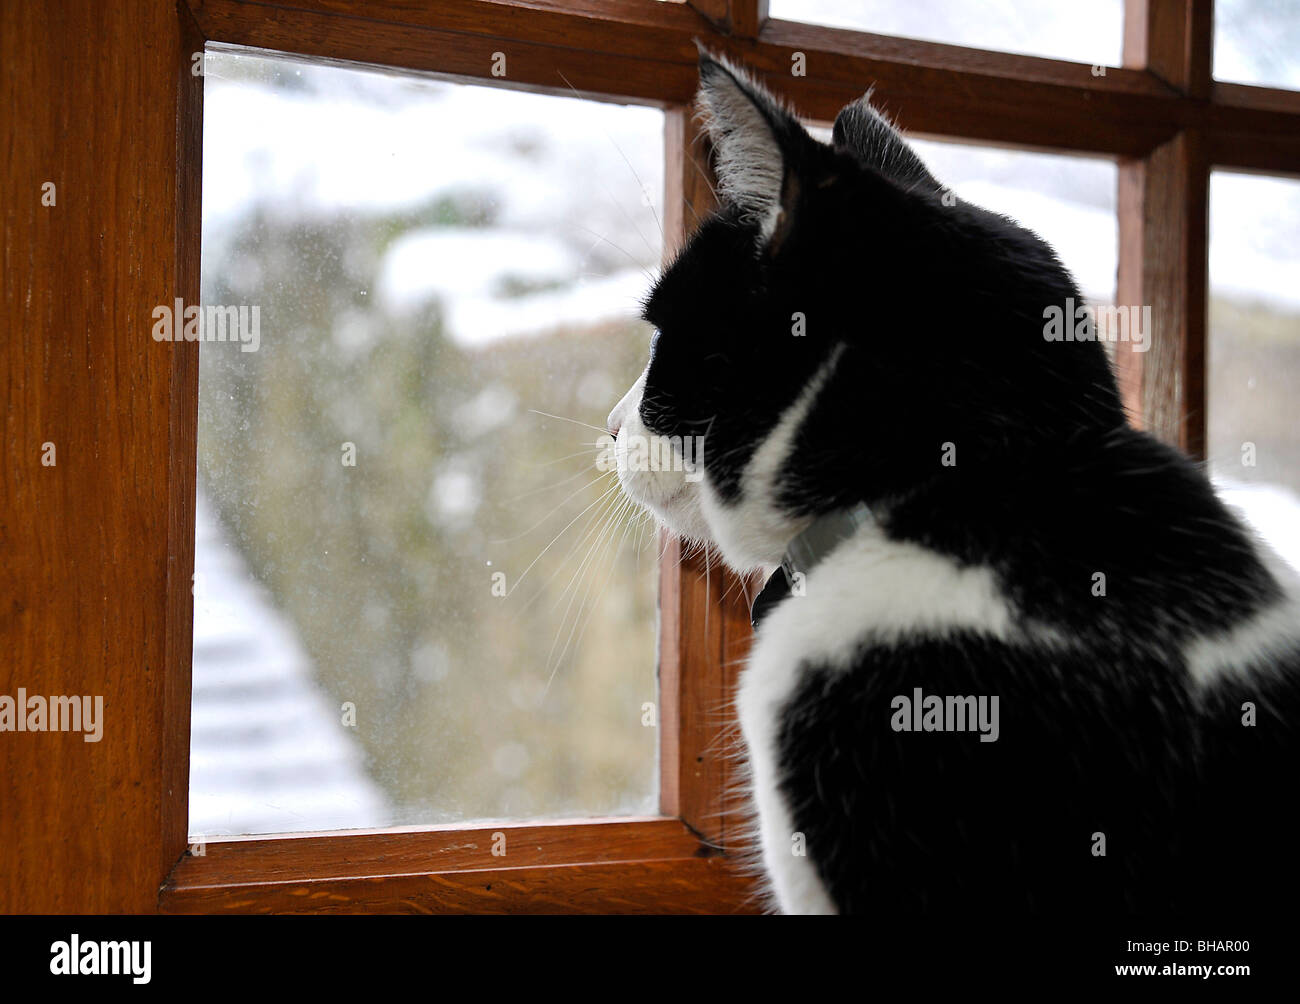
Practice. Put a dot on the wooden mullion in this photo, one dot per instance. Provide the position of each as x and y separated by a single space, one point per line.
1162 264
1252 128
631 50
703 606
749 17
1173 40
1163 207
738 18
690 188
707 608
688 652
613 48
932 88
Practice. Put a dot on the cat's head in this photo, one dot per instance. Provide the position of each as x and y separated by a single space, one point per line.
839 331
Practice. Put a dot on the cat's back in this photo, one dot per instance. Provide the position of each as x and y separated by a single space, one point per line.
1071 700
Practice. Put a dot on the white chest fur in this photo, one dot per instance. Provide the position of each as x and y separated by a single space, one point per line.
869 590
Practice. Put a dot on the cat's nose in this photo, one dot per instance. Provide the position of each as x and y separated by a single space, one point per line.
626 407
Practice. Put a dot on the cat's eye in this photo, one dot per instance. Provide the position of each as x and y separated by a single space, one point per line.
654 342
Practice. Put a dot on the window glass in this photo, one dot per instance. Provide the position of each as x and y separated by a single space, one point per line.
416 599
1253 352
1080 32
1257 42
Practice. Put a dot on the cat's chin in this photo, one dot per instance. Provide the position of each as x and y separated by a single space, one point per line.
662 486
751 532
680 513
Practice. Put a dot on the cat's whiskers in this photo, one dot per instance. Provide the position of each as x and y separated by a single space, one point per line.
601 237
555 508
608 491
607 522
591 610
558 484
561 418
606 536
590 527
570 456
594 534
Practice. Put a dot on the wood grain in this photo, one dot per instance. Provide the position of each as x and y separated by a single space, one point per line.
1173 40
1250 128
646 52
687 886
741 18
702 770
434 849
182 426
1163 205
94 597
607 866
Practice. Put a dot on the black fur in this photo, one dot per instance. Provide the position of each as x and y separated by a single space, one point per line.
937 310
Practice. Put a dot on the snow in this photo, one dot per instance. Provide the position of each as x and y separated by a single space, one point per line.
463 269
268 750
1273 511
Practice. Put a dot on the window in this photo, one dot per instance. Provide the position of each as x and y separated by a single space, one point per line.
419 602
106 572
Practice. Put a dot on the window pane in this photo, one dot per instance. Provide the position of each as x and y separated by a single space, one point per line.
1080 32
1253 379
415 602
1257 42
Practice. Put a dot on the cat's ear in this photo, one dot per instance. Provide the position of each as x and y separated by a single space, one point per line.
870 137
755 143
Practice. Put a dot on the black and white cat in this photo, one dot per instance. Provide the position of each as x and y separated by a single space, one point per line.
1021 659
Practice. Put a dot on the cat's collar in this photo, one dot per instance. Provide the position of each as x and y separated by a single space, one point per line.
806 551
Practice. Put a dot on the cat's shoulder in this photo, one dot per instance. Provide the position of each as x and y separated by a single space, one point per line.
874 589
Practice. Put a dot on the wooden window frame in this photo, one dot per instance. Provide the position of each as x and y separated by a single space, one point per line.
97 598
